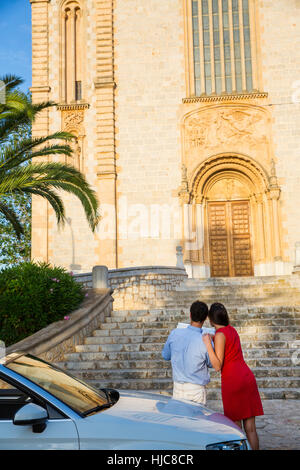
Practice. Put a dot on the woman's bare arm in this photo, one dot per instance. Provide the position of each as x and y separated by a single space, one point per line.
216 356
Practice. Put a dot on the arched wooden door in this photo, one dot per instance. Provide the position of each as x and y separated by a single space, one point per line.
230 238
236 219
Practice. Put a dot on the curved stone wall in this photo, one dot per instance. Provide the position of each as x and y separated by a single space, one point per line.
145 286
59 338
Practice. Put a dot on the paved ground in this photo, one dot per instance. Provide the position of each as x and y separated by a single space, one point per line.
279 428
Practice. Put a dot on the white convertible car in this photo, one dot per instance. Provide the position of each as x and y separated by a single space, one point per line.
43 407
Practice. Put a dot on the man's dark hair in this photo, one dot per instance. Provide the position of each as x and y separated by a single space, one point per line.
199 311
218 314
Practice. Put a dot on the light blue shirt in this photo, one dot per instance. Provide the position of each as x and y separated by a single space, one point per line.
188 355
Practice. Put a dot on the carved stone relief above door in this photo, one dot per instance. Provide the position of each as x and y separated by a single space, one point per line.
244 129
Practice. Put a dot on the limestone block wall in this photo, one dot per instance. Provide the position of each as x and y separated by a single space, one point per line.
131 129
40 93
280 49
73 245
145 287
140 287
150 77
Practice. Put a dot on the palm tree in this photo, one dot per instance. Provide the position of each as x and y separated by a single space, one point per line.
18 173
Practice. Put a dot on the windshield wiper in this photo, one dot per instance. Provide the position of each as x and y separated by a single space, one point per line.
97 408
107 396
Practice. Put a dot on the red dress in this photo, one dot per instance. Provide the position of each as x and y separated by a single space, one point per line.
240 395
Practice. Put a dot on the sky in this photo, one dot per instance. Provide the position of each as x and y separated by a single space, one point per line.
15 39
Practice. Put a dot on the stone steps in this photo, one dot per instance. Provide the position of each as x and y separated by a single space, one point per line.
147 322
181 314
125 351
268 365
265 393
233 298
130 328
253 353
275 374
213 393
148 346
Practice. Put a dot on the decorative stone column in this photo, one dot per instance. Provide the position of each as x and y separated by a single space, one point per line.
274 196
184 197
107 249
100 277
179 256
73 53
201 269
40 93
296 269
261 228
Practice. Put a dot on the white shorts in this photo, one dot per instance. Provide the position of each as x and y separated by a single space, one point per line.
187 391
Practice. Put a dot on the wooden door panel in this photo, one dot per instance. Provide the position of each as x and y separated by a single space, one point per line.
242 257
241 238
219 258
229 239
219 253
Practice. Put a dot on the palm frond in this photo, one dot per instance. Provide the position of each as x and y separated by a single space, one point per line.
45 176
12 217
12 123
54 200
11 82
45 179
23 151
17 101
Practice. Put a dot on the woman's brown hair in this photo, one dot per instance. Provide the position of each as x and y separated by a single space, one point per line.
218 314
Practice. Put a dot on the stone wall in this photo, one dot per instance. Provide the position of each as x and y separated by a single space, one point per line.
140 287
85 279
132 131
143 287
150 77
280 48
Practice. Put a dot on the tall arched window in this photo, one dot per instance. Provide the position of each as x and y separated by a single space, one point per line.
72 52
223 46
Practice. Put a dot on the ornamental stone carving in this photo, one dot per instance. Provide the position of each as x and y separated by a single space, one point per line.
73 120
219 128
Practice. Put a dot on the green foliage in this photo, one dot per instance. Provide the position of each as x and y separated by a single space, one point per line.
34 295
15 250
25 163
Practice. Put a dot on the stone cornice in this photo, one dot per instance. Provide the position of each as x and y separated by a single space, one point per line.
233 97
72 106
107 175
40 89
105 84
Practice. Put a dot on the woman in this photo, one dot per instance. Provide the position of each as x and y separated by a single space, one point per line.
241 400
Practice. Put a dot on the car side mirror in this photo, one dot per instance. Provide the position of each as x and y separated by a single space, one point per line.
32 415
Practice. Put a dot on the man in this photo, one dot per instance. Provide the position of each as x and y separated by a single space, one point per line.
189 357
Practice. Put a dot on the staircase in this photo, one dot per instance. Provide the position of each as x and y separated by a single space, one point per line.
236 291
125 351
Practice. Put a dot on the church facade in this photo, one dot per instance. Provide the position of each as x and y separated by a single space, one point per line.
186 117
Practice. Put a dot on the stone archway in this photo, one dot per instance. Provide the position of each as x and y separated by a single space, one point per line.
229 225
233 218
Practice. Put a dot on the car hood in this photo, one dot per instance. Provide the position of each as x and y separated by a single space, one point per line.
142 420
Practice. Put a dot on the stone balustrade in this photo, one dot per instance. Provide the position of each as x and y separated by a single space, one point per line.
145 286
59 338
138 287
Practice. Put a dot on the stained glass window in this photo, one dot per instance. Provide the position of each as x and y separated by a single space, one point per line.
221 46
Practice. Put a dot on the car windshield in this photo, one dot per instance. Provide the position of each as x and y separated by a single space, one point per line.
77 395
